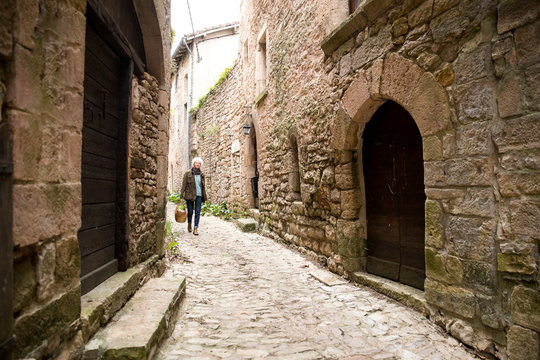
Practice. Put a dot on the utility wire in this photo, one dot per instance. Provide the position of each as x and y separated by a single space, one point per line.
193 29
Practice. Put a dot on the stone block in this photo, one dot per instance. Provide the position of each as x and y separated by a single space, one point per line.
49 319
490 312
400 27
68 261
26 154
471 238
374 8
60 155
525 305
357 99
517 258
26 22
446 269
513 183
462 331
246 224
510 97
354 264
518 134
449 25
421 14
350 200
454 299
532 93
434 230
428 98
476 101
473 65
24 283
474 139
327 177
525 217
46 266
440 6
350 239
515 13
523 344
346 178
480 276
476 202
445 75
398 78
459 172
344 132
41 212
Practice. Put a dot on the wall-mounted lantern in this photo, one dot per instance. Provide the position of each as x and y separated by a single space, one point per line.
246 126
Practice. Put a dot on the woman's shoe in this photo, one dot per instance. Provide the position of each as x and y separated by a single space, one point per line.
189 227
195 231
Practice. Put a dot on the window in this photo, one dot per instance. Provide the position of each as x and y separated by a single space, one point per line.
185 94
353 5
294 174
261 62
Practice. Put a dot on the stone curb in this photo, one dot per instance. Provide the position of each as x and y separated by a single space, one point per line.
247 224
102 303
137 329
407 295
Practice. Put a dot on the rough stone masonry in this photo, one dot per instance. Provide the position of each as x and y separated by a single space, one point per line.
308 80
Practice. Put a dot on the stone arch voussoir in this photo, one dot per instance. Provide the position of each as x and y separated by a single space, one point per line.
401 80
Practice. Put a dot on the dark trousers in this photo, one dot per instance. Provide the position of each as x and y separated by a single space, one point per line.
190 204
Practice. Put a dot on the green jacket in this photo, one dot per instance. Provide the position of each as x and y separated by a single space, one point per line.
189 190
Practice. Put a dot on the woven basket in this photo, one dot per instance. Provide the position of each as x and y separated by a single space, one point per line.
180 215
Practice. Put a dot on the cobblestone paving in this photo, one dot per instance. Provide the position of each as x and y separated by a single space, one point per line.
249 297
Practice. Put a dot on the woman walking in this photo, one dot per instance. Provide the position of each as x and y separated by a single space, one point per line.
194 192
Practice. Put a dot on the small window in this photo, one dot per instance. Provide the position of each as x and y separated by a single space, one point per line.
294 174
261 62
185 86
353 5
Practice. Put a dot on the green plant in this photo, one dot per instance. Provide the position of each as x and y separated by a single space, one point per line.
216 86
176 198
220 210
173 247
168 228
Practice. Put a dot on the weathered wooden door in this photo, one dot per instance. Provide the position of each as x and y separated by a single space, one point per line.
394 180
101 160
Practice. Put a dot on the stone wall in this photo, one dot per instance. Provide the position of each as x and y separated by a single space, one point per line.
146 220
465 71
41 89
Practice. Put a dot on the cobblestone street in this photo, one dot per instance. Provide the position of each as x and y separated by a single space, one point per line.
249 297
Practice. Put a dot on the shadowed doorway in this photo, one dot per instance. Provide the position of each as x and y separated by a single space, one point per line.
394 181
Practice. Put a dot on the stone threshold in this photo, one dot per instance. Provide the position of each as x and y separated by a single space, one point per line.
100 304
405 294
135 332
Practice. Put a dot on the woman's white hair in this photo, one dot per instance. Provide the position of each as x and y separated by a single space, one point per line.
197 159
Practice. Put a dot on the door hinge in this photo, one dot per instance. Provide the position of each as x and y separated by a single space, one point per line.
6 168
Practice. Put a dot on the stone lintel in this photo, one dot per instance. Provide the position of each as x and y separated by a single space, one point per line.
354 23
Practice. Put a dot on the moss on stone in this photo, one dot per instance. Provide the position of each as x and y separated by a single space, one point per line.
433 226
32 329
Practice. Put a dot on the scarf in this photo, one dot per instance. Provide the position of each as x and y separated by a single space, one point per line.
196 171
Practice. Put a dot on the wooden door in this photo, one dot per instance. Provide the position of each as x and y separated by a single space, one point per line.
100 161
394 181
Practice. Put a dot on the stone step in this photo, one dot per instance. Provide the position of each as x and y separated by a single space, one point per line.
136 330
247 224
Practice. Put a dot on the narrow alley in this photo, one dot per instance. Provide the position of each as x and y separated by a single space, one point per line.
249 297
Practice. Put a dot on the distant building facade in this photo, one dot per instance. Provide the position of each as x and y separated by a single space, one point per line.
84 88
397 139
198 62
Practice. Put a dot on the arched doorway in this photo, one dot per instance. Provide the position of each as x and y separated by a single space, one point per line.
395 197
254 166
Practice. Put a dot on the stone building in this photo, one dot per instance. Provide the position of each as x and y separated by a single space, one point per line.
396 139
84 88
198 62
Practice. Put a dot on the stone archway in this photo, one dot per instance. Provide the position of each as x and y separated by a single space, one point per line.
405 83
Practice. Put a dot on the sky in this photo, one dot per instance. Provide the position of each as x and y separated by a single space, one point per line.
205 13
